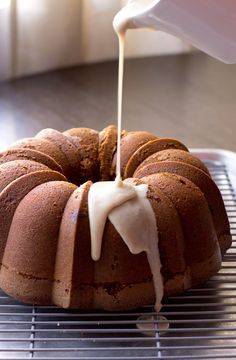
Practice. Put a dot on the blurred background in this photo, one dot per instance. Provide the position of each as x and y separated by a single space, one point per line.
58 68
37 36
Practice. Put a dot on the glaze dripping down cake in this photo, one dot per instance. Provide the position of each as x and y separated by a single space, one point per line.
45 245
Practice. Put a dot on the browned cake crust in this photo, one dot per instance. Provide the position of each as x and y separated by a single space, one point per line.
29 154
206 185
12 195
202 250
149 148
179 155
45 245
86 140
74 268
33 236
13 170
130 142
46 147
67 147
106 150
191 205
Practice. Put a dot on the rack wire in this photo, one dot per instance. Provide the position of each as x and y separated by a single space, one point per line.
202 322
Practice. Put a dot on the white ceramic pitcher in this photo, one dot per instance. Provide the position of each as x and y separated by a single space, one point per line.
209 25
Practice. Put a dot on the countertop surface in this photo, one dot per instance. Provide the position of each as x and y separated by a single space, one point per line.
191 97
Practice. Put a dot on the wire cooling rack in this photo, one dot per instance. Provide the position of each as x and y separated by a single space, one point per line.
202 322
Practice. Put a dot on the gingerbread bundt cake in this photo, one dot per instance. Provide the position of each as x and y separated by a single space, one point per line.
45 244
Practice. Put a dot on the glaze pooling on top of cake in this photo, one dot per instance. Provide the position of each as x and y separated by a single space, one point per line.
45 245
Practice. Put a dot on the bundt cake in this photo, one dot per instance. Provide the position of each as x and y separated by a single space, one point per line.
45 244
